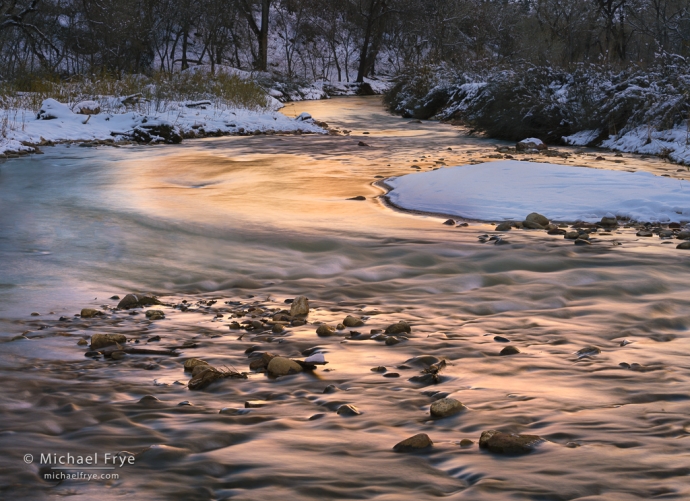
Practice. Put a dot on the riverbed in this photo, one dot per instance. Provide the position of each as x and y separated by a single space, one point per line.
252 221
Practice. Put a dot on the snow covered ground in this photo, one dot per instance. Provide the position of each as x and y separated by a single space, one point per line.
56 122
510 190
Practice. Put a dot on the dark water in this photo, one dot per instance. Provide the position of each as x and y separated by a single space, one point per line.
267 217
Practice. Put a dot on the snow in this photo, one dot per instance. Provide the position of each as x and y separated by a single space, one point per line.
57 123
316 358
532 140
510 190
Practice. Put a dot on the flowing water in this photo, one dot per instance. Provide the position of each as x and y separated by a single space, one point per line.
252 221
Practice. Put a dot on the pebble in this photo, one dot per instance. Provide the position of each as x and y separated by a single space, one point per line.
582 241
391 374
358 198
277 328
185 403
392 340
508 443
446 407
299 306
380 368
348 410
281 366
509 350
415 443
449 222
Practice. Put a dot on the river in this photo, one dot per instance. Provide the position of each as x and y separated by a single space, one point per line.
256 220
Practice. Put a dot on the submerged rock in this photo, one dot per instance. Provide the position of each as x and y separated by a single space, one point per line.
509 350
415 443
348 410
508 443
446 407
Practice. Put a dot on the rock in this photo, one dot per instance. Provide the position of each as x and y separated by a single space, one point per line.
508 443
190 363
449 222
87 108
135 301
348 410
351 321
537 218
358 198
158 131
262 362
281 366
684 246
572 235
583 241
531 143
501 339
509 350
102 340
446 407
303 116
609 220
277 328
415 443
391 375
588 351
118 355
82 342
234 326
340 327
683 235
155 315
504 226
466 442
198 369
644 233
362 143
148 399
255 404
398 328
90 313
325 330
299 306
380 368
392 340
331 388
531 225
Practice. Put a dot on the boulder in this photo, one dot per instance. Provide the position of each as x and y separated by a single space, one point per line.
535 217
102 340
351 321
415 443
504 226
508 443
281 366
446 407
609 221
299 306
683 246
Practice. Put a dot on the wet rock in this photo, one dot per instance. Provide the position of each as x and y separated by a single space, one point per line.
102 340
90 313
683 235
609 220
297 322
683 246
331 388
261 363
358 198
155 315
118 355
137 300
234 326
588 351
509 350
572 235
348 410
281 366
537 218
325 330
380 368
92 354
531 225
362 143
82 342
449 222
277 328
391 374
148 399
255 404
392 340
198 369
398 328
446 407
583 241
190 363
185 403
504 226
299 306
466 442
351 321
508 443
341 327
415 443
115 297
501 339
644 233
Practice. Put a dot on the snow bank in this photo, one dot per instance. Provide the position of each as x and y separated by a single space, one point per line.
57 123
509 190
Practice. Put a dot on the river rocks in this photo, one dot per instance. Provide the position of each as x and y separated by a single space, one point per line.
684 246
260 363
393 340
157 131
190 363
508 443
509 350
136 301
82 342
572 235
466 442
331 388
683 235
351 321
358 198
198 369
609 220
325 330
398 328
348 410
504 226
362 143
588 351
281 366
446 407
299 306
415 443
102 340
582 241
118 355
277 328
148 399
256 404
535 219
155 315
644 233
90 313
449 222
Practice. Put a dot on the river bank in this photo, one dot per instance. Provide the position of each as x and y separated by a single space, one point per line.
249 222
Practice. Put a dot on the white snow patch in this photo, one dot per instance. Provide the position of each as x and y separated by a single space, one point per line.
510 190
